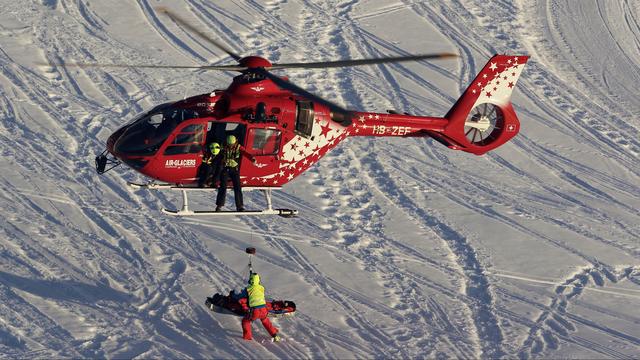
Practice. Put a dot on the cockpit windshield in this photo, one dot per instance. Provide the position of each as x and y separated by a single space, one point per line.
145 135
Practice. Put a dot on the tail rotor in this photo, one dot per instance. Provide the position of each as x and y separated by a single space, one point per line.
483 124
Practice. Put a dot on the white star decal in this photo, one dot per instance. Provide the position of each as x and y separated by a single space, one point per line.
377 116
493 67
484 76
370 116
290 177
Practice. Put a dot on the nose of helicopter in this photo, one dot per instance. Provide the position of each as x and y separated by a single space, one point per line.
118 145
113 138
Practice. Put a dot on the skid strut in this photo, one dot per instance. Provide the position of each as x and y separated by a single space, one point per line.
185 202
267 196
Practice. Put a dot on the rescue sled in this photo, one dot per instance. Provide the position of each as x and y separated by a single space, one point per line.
227 304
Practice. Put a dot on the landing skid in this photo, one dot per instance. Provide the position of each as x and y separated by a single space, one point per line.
185 211
161 186
281 212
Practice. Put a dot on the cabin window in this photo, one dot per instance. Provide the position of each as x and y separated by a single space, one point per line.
187 138
187 141
183 149
189 134
304 118
192 128
265 141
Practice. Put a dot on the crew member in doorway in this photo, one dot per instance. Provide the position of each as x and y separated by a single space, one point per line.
231 154
211 166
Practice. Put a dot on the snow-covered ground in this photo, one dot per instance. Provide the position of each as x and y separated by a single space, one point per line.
402 247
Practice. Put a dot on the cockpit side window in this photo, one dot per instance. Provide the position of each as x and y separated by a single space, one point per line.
147 133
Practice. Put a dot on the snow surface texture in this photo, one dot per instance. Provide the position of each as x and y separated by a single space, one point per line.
402 247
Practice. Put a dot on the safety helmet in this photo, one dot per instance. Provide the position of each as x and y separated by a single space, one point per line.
215 148
231 139
254 279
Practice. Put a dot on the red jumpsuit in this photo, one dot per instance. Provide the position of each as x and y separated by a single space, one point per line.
255 314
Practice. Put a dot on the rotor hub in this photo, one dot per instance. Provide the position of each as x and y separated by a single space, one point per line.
253 62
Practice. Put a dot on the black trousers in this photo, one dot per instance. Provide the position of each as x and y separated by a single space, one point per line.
208 170
234 174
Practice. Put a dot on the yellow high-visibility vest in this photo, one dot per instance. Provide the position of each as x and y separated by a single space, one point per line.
231 155
256 295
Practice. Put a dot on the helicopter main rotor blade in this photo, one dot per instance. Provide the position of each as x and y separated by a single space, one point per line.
285 84
90 65
202 35
359 62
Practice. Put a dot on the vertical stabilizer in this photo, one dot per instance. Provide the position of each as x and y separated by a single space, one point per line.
483 118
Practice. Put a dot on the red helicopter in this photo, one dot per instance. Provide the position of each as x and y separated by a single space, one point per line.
287 129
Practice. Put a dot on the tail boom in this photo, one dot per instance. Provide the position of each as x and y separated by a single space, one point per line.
381 124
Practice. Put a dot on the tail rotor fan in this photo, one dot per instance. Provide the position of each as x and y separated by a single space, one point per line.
484 124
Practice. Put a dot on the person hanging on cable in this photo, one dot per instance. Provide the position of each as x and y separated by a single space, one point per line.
257 309
232 152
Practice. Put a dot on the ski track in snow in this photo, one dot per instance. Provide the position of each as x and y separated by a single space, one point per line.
556 322
93 269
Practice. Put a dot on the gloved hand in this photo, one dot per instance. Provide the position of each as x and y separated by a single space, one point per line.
243 304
